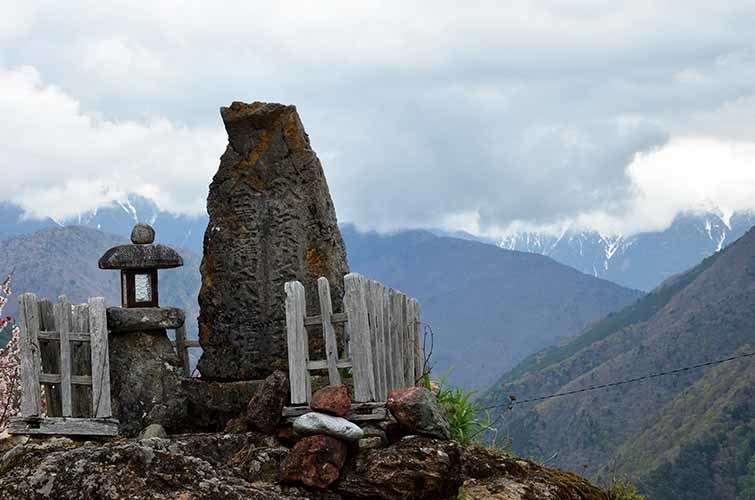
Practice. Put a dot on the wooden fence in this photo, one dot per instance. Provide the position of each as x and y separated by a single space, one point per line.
182 346
384 349
64 348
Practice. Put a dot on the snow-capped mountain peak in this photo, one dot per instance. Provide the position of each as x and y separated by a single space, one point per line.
640 260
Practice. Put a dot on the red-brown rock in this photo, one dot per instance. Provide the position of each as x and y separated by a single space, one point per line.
315 461
418 411
332 399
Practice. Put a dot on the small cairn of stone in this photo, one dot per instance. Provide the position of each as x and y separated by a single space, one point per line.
325 435
317 458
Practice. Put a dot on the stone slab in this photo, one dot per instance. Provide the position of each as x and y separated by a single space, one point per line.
272 220
121 319
140 257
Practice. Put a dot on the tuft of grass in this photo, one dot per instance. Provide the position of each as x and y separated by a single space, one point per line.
467 419
622 489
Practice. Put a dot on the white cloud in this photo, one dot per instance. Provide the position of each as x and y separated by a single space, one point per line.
538 112
59 161
687 174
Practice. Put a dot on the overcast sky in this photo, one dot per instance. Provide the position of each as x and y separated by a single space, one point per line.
463 115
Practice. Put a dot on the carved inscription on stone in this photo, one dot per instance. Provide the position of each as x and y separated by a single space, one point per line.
271 220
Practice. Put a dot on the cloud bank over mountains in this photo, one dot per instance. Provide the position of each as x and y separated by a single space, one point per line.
482 119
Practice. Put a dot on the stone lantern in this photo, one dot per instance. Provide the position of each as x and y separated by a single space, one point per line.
145 371
138 264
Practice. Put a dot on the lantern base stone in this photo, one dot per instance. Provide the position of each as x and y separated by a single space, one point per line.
145 381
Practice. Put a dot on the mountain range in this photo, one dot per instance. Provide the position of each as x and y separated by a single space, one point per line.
643 260
488 307
640 261
63 261
689 434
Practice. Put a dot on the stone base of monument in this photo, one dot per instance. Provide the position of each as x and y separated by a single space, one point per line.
147 382
210 405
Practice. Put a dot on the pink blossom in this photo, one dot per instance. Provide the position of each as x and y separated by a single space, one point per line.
10 392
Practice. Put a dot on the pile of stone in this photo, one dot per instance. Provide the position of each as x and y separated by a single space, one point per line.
325 438
318 456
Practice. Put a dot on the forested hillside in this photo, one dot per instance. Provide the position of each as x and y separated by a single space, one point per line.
687 435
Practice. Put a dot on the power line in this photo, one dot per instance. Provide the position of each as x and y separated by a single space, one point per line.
515 402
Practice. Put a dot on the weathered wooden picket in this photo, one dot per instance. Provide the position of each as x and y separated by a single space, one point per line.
382 328
57 345
182 346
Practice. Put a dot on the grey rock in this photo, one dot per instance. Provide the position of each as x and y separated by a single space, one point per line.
142 234
121 319
210 405
320 423
140 257
153 431
265 407
8 441
145 380
196 467
10 455
373 431
246 467
271 221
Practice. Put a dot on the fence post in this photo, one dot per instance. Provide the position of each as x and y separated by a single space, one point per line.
63 325
377 297
31 404
408 341
298 343
50 357
355 305
419 361
329 334
375 316
100 358
397 337
181 350
81 363
387 341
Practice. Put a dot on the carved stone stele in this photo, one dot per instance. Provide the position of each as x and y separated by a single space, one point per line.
271 220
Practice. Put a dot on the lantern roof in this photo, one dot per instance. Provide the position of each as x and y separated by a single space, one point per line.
141 254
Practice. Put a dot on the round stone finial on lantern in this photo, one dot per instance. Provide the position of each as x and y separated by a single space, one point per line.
142 234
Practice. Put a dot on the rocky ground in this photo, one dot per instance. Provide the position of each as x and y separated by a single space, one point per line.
247 466
405 454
